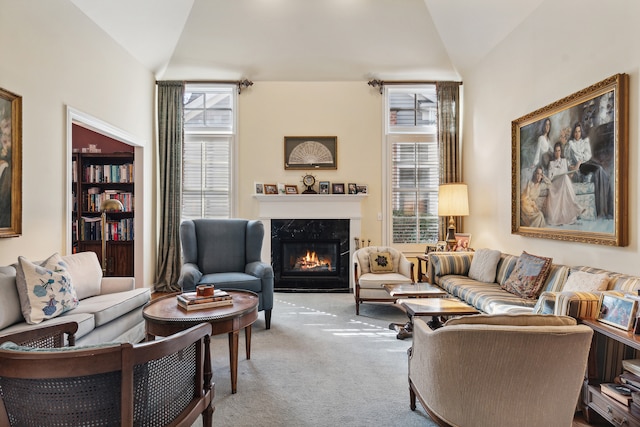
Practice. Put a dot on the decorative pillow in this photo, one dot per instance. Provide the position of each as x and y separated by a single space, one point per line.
380 262
528 276
582 281
45 289
484 264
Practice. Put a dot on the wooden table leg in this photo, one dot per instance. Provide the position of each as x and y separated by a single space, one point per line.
247 341
233 359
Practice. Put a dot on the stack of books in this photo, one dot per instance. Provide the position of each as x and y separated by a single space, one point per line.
191 301
628 391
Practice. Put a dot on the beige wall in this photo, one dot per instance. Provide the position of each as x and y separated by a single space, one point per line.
65 62
352 111
562 48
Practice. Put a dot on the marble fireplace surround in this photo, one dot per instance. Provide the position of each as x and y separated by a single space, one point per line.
311 206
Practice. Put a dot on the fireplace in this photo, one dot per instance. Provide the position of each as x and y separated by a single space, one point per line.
310 254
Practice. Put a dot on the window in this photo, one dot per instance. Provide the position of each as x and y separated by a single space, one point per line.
412 164
208 151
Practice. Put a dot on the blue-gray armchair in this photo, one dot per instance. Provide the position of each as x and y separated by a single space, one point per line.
226 252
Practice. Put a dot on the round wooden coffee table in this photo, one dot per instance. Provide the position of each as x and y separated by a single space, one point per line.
163 317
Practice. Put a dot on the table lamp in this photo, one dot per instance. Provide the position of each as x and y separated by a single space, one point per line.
107 205
453 200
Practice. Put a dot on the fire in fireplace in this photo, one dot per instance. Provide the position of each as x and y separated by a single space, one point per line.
310 258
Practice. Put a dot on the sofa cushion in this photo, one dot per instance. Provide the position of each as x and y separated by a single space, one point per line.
513 320
528 276
484 264
108 307
10 311
486 297
451 263
376 280
232 280
581 281
380 262
505 266
86 273
45 289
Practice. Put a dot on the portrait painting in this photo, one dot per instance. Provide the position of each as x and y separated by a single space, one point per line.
569 167
10 164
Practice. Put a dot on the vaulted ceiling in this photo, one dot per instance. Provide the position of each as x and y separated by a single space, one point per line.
308 40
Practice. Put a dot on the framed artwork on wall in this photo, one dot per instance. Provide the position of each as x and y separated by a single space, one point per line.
310 152
569 166
10 164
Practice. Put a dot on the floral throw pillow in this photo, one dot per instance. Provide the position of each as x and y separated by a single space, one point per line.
528 276
380 262
45 289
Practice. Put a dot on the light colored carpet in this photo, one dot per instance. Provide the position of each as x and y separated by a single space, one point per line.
318 365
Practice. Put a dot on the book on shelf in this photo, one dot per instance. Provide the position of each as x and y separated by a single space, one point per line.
619 392
630 379
631 365
203 305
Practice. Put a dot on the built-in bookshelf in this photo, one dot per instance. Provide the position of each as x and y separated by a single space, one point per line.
96 177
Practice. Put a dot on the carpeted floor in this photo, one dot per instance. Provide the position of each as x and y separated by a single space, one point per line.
318 365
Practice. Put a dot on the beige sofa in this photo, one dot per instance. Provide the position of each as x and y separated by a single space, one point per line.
109 309
450 270
499 370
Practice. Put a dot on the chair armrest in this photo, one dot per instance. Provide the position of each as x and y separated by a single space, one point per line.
190 275
50 336
405 267
259 269
581 305
111 285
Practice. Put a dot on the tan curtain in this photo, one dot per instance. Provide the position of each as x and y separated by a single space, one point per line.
448 94
170 137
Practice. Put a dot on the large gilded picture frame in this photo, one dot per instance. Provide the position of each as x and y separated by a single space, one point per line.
10 164
569 163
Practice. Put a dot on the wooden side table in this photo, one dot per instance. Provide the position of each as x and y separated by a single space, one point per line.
163 317
422 258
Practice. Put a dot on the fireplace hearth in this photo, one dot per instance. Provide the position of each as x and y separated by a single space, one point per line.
310 254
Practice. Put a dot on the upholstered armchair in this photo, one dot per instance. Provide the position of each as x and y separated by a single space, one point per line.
226 253
163 382
374 266
499 370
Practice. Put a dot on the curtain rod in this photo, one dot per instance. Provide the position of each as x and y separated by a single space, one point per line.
382 83
242 84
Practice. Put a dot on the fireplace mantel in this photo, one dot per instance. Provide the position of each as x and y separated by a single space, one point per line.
310 206
297 206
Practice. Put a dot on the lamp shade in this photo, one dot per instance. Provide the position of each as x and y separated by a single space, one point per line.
453 200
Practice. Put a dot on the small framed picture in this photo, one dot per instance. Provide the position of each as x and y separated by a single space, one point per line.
441 246
259 187
281 188
463 242
270 189
362 189
352 188
337 188
323 187
291 189
617 311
